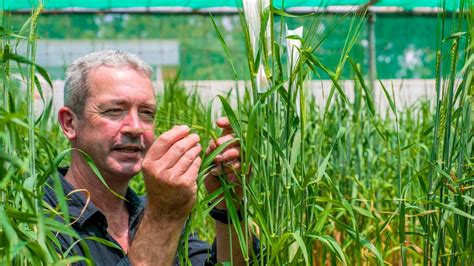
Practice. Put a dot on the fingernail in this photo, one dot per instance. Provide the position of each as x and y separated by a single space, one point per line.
184 127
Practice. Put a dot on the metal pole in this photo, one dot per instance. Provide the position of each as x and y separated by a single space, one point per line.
372 53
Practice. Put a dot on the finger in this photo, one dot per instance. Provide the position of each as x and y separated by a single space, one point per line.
226 138
232 167
224 123
192 173
227 168
232 178
165 141
179 149
228 155
212 146
217 170
186 160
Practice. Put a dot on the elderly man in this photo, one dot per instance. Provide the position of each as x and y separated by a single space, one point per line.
108 113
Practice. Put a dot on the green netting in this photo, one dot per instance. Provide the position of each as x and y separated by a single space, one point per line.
402 50
406 5
411 4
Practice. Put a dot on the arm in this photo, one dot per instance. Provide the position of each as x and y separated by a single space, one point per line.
230 158
170 169
223 245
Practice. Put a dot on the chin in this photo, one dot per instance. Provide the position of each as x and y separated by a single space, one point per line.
126 170
130 172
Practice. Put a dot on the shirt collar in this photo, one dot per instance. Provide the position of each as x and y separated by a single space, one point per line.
82 210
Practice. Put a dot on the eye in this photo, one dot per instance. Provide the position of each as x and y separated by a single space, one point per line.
114 112
148 115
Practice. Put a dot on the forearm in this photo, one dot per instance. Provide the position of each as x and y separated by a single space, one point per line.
156 241
224 242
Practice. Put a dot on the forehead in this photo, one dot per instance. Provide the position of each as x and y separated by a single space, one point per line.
125 84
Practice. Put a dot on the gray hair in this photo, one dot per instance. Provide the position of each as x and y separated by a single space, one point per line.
76 86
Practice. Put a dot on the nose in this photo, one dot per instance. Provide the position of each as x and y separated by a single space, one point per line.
132 125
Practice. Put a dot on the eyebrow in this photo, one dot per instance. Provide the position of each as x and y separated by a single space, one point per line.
149 105
123 102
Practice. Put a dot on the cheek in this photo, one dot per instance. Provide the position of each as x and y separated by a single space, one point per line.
105 129
148 138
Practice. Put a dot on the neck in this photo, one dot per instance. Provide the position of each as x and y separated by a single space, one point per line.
81 176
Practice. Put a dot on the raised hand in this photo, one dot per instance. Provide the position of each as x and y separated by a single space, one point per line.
227 162
170 170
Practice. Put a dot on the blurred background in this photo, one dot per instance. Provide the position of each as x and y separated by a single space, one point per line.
397 44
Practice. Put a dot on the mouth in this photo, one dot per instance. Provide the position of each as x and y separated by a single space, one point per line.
128 148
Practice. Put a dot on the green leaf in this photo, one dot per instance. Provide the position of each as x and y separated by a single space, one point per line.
331 243
210 157
72 260
231 116
96 239
450 207
96 171
313 61
225 46
296 235
251 130
21 59
368 95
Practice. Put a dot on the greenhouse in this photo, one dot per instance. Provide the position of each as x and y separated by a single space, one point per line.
248 132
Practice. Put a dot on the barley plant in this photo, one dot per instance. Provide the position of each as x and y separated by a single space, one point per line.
347 183
31 150
342 183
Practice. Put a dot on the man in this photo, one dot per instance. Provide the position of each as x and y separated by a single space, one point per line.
108 113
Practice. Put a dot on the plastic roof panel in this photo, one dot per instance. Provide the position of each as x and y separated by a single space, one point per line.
196 5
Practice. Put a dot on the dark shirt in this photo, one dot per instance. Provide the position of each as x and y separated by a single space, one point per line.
88 221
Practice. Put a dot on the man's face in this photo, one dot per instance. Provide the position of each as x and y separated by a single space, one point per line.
116 128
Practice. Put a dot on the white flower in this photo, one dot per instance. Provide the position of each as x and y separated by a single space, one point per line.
292 47
262 80
253 12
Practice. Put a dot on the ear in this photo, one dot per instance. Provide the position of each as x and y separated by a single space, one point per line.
68 120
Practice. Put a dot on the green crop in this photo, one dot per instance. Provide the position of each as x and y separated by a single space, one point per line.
343 183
